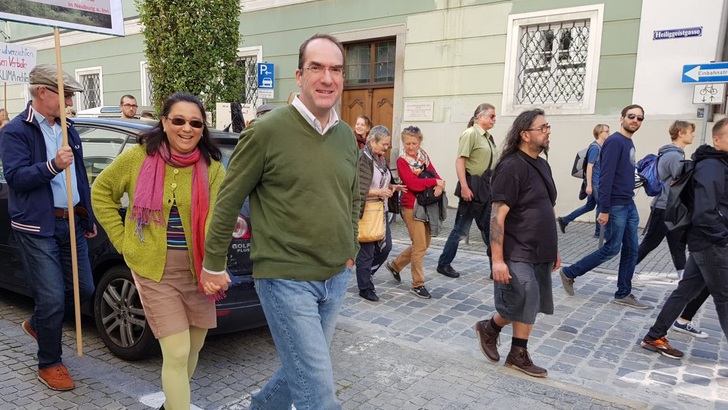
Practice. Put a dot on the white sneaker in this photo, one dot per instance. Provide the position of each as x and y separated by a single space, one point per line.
689 328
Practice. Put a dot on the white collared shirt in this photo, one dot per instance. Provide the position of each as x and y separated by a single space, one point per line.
312 120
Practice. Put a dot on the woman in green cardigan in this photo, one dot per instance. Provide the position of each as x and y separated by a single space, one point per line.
171 178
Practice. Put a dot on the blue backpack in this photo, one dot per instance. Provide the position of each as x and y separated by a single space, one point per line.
647 171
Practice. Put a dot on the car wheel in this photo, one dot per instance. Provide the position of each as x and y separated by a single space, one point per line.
119 316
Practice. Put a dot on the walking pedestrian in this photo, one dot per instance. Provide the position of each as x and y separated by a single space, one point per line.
669 168
171 177
374 185
35 164
707 265
617 211
298 164
413 162
591 180
476 158
522 240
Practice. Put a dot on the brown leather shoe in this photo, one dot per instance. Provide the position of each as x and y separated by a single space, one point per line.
488 338
56 378
28 330
519 359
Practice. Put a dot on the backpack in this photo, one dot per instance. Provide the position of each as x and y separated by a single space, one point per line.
647 171
680 200
578 169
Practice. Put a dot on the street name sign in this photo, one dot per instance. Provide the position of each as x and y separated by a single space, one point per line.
705 73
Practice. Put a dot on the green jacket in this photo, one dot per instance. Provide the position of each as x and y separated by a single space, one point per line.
147 259
304 198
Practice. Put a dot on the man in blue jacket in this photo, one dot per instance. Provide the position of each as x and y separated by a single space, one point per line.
707 238
35 164
617 211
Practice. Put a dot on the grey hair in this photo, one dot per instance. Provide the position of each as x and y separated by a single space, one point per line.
377 133
33 89
480 110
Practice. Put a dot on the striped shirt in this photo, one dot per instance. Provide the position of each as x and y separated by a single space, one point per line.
175 231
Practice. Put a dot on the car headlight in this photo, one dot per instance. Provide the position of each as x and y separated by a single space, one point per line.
241 229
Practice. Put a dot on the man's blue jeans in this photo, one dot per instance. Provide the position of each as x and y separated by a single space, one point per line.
620 234
301 316
460 230
591 204
47 263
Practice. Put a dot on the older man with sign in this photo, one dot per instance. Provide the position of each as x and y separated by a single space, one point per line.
35 161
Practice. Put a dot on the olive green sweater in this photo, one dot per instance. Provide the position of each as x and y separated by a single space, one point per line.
304 198
147 258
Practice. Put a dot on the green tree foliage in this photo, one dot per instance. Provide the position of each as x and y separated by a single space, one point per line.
191 46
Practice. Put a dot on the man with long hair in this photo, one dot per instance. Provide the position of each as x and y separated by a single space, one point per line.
523 242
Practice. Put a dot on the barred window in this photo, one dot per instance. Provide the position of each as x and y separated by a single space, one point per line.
249 93
90 79
552 60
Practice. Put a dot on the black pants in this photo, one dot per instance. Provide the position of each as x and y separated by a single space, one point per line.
371 256
656 232
706 268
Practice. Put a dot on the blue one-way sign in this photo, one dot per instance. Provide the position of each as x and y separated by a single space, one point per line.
705 73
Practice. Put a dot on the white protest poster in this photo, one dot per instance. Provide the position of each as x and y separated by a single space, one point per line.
96 16
16 61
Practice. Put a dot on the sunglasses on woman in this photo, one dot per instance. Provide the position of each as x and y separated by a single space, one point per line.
181 122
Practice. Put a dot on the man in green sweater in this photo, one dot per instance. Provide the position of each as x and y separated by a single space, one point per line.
298 164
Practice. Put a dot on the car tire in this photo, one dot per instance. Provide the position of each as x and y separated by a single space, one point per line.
120 318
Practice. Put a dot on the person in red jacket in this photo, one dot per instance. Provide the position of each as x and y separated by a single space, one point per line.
412 161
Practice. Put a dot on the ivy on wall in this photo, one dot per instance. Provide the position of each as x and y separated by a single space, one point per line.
191 46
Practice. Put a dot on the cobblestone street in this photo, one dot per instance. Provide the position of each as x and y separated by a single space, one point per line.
409 353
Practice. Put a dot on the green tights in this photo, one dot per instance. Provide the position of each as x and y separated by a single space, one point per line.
180 352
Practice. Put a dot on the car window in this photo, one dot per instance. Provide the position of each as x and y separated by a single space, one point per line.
100 147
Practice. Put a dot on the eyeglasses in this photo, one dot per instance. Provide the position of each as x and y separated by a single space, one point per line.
412 129
180 122
542 128
335 71
130 106
65 95
633 116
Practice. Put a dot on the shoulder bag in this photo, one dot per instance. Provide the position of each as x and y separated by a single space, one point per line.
371 224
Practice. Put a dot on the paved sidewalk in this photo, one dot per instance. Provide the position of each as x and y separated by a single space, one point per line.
409 353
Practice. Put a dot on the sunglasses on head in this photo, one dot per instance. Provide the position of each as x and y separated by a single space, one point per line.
181 122
640 118
412 128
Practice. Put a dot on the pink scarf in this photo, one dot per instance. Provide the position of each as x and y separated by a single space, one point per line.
149 193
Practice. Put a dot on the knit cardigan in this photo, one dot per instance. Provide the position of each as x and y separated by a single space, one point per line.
147 259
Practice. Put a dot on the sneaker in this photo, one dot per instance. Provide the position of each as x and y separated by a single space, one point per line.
661 346
56 378
519 359
631 301
394 273
567 282
637 282
28 330
421 292
489 340
448 271
562 224
690 329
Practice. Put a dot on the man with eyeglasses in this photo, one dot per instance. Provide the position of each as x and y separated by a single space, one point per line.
476 159
128 106
299 165
35 164
617 211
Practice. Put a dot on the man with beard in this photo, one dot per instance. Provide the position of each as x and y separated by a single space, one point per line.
707 239
617 211
522 241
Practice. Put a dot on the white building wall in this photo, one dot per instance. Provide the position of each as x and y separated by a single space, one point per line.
658 85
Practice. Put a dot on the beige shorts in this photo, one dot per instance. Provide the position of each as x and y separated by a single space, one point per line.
174 304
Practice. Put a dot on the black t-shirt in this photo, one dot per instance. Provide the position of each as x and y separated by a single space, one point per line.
525 184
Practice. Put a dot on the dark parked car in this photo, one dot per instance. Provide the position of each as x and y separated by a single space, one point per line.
116 307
